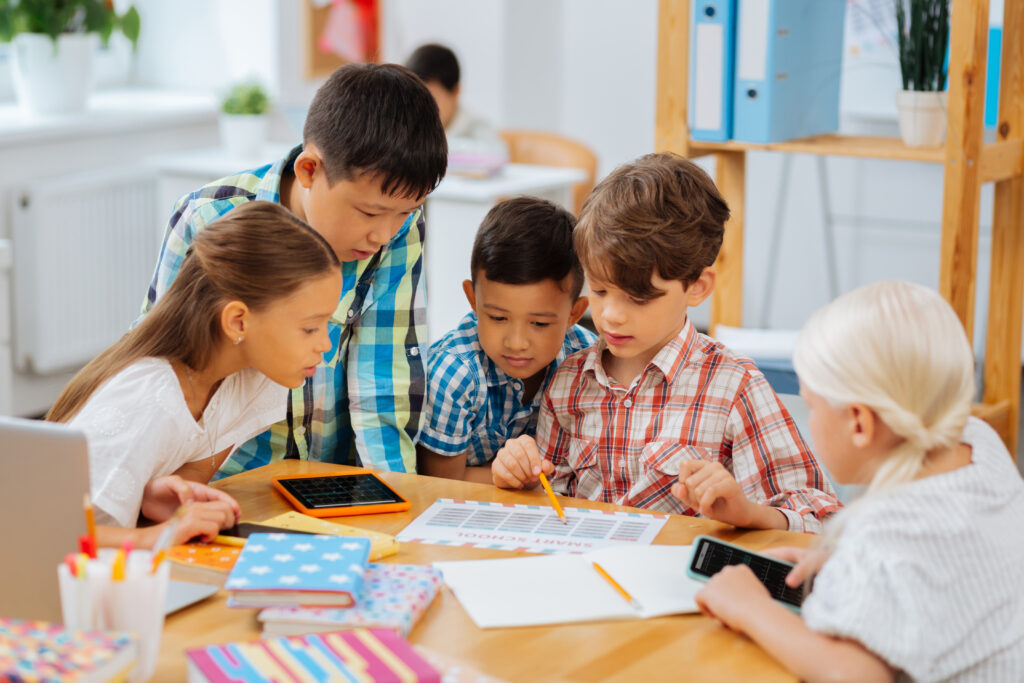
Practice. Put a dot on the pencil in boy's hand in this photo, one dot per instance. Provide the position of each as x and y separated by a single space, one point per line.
618 588
551 497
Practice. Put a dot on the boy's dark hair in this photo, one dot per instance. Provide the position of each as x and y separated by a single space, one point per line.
660 214
379 119
526 240
433 62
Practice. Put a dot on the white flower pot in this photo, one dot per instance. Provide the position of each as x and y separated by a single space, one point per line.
922 117
242 135
51 79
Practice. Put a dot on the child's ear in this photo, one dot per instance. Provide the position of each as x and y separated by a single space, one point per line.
234 321
578 309
863 425
700 288
306 165
467 287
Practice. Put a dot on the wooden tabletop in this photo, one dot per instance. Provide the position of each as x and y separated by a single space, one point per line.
690 647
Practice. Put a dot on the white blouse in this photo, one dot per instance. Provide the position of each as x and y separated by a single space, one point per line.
929 576
138 427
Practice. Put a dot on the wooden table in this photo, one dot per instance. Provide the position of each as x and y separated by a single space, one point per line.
690 647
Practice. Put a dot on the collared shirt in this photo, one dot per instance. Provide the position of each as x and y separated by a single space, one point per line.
473 407
368 391
694 400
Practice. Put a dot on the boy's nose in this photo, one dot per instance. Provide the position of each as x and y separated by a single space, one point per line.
613 315
516 340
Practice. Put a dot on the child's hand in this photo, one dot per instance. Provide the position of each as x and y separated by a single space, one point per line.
808 562
203 520
732 596
518 463
163 495
711 490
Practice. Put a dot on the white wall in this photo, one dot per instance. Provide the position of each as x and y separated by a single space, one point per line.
608 72
587 69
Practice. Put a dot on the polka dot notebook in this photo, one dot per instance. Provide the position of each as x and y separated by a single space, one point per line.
393 596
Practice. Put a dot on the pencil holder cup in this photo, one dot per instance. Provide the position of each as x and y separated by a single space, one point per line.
134 604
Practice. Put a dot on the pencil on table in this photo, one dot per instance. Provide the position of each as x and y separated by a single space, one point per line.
618 588
551 497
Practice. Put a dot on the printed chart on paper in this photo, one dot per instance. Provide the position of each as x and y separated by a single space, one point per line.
529 528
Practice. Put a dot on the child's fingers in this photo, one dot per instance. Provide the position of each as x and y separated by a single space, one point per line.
709 494
506 472
547 467
682 493
706 472
529 447
522 460
180 488
688 467
787 553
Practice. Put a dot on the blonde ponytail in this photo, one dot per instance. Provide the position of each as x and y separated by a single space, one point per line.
898 348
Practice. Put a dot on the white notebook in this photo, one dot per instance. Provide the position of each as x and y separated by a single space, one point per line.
562 588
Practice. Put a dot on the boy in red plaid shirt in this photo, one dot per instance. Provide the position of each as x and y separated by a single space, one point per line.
657 415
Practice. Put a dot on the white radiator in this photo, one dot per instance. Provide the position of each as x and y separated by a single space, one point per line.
84 251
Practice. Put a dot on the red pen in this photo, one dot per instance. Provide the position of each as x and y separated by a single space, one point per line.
87 545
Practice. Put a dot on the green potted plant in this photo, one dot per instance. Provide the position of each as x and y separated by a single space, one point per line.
243 119
923 38
53 43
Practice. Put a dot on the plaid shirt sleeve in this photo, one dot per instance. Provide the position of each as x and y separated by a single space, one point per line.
552 440
454 400
771 461
386 378
185 223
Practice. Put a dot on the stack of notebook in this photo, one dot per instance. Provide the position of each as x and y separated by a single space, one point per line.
310 584
298 570
393 596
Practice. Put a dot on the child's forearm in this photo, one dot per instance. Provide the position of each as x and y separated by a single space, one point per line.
810 655
479 473
767 517
115 536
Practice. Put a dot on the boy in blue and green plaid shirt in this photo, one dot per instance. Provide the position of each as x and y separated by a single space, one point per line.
373 148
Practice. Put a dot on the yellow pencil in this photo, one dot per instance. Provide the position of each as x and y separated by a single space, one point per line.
551 497
619 589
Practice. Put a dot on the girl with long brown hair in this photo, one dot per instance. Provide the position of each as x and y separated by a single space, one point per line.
208 368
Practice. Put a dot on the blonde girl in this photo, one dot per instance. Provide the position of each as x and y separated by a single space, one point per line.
208 368
921 577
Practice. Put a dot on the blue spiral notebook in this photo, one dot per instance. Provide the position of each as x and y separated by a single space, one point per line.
276 570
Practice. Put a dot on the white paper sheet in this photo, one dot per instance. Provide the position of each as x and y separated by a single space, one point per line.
529 528
555 589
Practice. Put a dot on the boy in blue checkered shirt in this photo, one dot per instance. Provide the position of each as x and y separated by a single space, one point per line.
486 377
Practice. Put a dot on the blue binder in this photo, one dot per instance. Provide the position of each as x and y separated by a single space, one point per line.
789 56
712 47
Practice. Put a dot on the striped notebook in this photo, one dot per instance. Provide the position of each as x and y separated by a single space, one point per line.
363 655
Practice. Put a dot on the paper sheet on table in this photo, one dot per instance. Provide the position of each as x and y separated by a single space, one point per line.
563 588
529 528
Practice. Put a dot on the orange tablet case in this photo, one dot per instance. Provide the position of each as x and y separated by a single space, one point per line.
345 510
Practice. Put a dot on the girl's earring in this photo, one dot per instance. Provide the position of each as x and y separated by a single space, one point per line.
238 340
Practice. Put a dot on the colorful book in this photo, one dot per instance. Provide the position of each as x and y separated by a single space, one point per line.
49 653
381 544
359 656
394 596
297 570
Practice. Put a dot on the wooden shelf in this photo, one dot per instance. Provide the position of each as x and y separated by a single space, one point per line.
967 163
830 145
